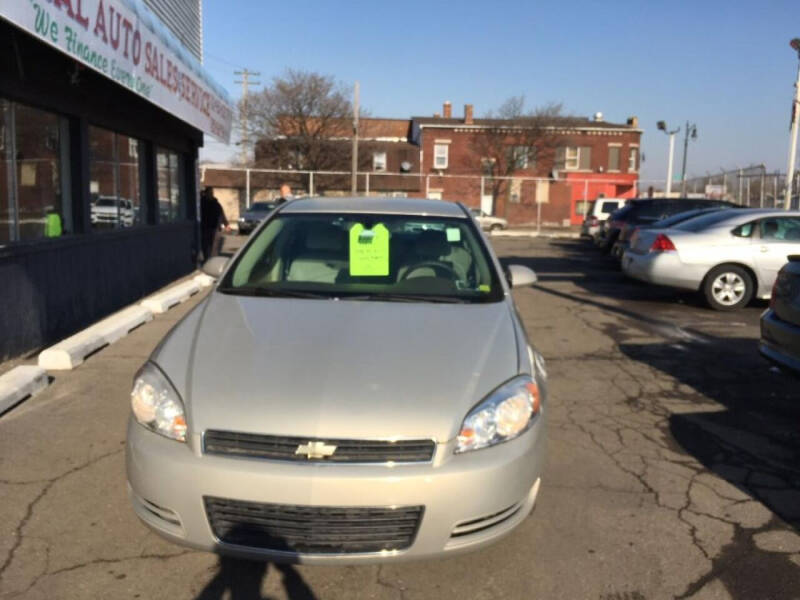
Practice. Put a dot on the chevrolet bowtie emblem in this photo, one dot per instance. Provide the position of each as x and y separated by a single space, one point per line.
315 449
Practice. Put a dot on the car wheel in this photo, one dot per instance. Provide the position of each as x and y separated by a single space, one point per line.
728 287
496 227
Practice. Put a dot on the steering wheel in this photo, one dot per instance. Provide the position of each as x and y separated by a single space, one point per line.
441 270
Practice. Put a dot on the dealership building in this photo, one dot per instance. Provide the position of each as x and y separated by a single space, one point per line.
103 106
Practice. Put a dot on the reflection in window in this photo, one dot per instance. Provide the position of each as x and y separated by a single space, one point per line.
114 180
33 191
169 195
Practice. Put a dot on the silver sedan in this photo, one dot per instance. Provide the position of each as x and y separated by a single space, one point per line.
357 387
730 255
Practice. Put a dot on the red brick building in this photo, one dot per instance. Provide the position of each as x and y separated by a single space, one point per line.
441 157
591 158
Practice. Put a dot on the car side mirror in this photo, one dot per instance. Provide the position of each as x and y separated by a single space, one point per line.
215 266
521 276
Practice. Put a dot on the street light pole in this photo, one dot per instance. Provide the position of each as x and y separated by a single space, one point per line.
787 199
662 125
691 130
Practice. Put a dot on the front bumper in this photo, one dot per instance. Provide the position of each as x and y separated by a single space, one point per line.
460 493
780 342
662 268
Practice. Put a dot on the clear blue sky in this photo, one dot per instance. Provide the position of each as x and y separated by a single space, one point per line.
726 66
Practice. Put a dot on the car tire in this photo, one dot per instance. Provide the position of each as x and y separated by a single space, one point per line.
728 287
496 227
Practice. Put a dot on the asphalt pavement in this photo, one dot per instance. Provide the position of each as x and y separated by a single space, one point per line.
673 467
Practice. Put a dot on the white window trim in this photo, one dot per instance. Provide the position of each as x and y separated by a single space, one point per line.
438 155
576 158
375 162
633 159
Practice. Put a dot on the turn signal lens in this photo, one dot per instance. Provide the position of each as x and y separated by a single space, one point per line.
662 244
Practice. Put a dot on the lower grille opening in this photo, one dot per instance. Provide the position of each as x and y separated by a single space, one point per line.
486 522
313 529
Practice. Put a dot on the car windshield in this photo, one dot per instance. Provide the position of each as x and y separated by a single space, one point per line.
106 202
706 221
366 257
262 206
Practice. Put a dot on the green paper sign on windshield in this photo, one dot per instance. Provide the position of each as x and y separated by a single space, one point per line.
369 251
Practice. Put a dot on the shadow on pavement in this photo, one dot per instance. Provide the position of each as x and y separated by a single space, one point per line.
755 442
239 579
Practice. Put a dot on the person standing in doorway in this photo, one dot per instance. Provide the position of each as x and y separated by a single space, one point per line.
285 194
212 217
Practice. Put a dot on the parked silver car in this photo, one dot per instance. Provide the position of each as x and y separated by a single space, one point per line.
729 255
358 387
487 221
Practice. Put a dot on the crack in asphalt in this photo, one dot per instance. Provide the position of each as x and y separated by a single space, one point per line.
18 530
640 399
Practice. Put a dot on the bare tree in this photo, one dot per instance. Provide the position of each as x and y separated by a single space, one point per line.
297 120
515 139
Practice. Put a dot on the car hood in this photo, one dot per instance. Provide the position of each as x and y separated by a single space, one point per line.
338 369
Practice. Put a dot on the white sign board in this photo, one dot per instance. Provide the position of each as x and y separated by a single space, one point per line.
124 41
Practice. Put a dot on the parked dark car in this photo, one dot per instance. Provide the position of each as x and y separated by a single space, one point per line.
650 210
251 218
780 323
627 233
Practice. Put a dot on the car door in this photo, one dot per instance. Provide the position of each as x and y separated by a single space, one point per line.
778 238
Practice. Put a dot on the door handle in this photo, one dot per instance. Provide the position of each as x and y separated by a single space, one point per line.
764 249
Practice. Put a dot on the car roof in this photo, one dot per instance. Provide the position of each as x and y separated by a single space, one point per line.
377 205
745 215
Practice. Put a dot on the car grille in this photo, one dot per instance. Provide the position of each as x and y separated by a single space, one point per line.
347 451
312 529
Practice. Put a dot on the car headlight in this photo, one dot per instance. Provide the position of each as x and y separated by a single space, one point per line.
242 220
156 404
505 414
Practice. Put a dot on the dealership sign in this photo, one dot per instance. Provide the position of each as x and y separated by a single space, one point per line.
124 41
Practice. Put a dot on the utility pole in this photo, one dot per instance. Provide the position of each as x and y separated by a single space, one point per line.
691 130
354 176
787 199
243 109
662 125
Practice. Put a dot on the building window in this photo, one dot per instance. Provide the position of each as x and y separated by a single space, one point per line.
114 180
379 161
633 160
170 207
574 158
518 157
440 156
34 170
613 158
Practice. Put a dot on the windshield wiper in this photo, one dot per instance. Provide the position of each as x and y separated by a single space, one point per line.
391 297
273 293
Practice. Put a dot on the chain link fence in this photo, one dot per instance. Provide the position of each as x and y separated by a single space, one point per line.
751 186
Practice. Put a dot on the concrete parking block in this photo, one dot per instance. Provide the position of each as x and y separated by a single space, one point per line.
204 280
71 352
19 383
163 301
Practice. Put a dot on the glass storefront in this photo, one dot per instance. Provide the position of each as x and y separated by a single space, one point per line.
114 180
34 187
169 188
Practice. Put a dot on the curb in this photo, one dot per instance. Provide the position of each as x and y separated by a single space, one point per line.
19 383
163 301
69 353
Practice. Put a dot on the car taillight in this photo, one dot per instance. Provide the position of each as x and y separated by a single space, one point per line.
662 244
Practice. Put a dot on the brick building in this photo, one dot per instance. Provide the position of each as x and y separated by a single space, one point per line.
590 158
